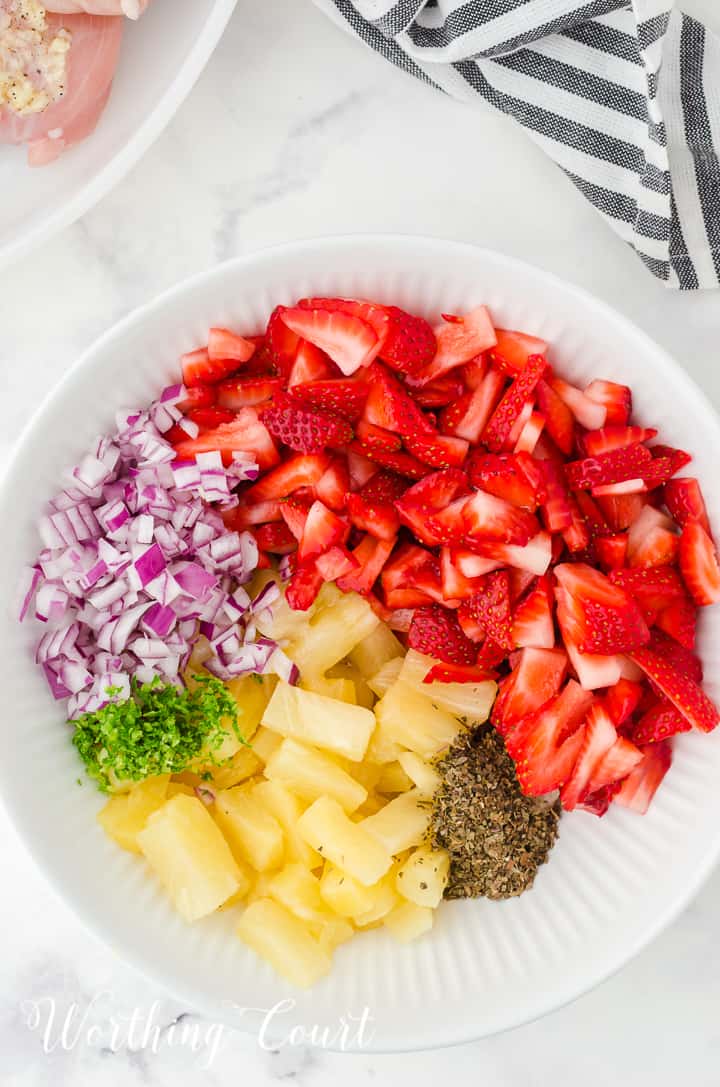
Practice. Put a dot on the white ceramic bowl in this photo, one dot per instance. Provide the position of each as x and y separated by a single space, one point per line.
611 884
162 55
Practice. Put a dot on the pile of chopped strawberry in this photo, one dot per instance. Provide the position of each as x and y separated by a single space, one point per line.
505 522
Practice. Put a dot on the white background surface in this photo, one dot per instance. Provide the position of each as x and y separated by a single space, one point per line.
296 131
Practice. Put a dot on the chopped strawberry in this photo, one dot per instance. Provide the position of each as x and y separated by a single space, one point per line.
310 364
378 317
616 399
373 437
530 434
333 486
457 673
459 340
576 535
615 765
323 530
545 746
534 682
206 419
559 420
199 369
436 632
686 696
295 472
600 616
455 585
236 393
373 516
598 803
513 349
438 450
622 699
589 413
431 494
619 466
360 468
246 514
489 609
340 397
276 537
335 563
642 783
247 434
486 516
683 660
496 434
611 551
554 498
608 438
294 513
699 564
621 511
410 343
385 487
370 555
351 342
303 587
535 556
659 723
400 463
389 406
305 429
438 394
198 396
599 736
505 475
224 344
654 589
468 416
532 623
472 565
679 620
659 548
685 501
282 343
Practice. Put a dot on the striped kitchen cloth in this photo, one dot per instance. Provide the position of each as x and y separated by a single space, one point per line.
624 95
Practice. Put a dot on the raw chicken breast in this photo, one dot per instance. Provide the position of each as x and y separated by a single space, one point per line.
91 62
132 8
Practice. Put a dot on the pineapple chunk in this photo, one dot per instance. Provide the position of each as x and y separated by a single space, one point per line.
471 701
367 773
311 774
176 788
287 809
246 882
327 828
242 765
384 679
260 884
331 634
346 670
423 877
422 774
410 719
265 742
320 721
337 687
252 832
393 779
381 749
375 650
385 898
372 804
401 824
284 941
407 921
190 857
331 933
125 815
298 890
343 894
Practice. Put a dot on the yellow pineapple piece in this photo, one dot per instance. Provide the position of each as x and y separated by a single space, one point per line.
348 846
386 677
331 634
287 809
366 773
242 765
347 670
422 774
401 824
260 881
471 701
190 857
176 788
423 877
298 890
284 941
410 719
338 687
382 750
393 779
252 832
310 774
331 933
385 898
375 650
343 894
125 815
408 922
265 741
319 721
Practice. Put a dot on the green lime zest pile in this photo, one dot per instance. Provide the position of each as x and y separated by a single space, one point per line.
158 730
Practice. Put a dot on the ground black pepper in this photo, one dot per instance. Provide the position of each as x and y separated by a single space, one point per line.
496 837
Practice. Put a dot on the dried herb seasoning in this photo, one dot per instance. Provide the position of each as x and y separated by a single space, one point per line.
496 837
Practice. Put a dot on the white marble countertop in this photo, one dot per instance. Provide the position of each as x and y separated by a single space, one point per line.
297 131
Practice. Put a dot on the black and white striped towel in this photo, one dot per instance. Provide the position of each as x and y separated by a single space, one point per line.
624 95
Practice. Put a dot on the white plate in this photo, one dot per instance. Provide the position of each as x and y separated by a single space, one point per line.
162 55
611 884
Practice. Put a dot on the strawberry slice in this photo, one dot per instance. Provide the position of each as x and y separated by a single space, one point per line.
360 467
459 339
370 556
508 476
489 609
438 394
373 437
685 695
513 349
294 513
642 783
608 438
699 564
611 551
303 587
535 556
683 660
559 420
499 428
431 494
310 364
199 396
436 632
679 620
535 680
598 738
615 765
374 314
659 723
683 498
345 398
619 466
282 343
532 621
589 413
616 399
554 498
351 342
335 563
389 406
323 529
455 585
486 516
245 515
373 516
622 699
224 344
295 472
600 616
400 463
468 416
247 434
205 419
621 511
409 344
530 434
385 487
237 393
576 535
457 673
276 538
334 484
438 450
654 589
545 747
598 803
409 562
303 429
199 369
